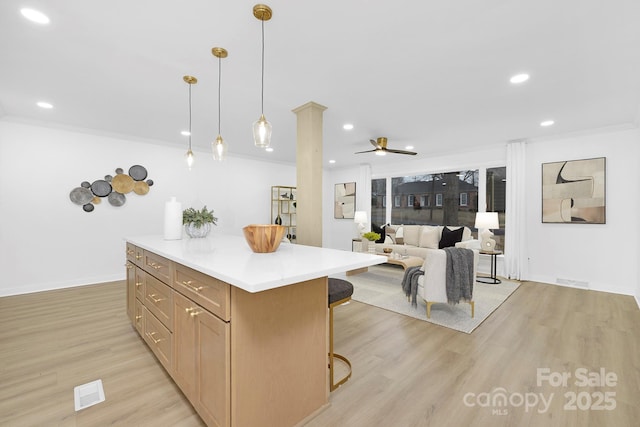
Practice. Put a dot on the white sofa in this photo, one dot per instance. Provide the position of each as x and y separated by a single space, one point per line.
418 240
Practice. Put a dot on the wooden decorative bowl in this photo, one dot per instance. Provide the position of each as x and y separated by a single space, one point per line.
263 238
387 250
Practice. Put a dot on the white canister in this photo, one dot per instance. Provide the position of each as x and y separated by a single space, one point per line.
172 220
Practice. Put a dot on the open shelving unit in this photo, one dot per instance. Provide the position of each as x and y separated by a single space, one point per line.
283 208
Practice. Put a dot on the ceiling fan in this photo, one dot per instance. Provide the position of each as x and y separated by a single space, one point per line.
381 148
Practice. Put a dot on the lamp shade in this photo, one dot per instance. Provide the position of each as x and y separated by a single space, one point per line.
360 217
487 220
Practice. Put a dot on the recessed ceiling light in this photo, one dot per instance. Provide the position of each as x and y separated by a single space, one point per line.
332 161
185 133
347 126
269 149
43 104
519 78
547 123
409 147
35 16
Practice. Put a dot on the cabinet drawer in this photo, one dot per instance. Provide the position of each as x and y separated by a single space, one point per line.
158 266
138 317
139 283
158 300
210 293
134 254
158 338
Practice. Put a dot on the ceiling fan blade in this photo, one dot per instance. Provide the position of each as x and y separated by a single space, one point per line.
374 143
368 151
411 153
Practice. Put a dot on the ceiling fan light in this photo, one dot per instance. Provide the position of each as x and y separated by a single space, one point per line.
380 153
262 132
219 148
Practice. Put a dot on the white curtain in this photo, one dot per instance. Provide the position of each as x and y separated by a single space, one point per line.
515 233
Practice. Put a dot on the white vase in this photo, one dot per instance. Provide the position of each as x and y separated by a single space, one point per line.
197 232
372 247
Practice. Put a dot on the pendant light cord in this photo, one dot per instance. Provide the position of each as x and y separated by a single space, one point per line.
219 84
262 90
189 116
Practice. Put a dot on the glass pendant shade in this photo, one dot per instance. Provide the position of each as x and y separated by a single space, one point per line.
189 157
262 132
219 148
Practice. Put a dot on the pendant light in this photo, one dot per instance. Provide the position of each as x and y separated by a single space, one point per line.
262 128
190 80
219 146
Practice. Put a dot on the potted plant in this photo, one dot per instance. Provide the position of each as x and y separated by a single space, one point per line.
371 237
198 222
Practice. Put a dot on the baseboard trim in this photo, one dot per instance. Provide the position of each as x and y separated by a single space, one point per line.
42 287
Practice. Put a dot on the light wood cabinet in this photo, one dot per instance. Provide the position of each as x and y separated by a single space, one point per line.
201 360
284 206
227 348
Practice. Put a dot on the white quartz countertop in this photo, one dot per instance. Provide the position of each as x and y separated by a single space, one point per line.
229 258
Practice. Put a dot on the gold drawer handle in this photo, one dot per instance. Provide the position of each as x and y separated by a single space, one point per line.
154 299
195 313
129 266
138 284
188 284
154 266
138 256
155 341
129 251
138 317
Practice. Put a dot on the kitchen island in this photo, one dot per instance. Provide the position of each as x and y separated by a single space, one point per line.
244 335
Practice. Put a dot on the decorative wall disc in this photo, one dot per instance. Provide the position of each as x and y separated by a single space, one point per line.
116 199
101 188
81 195
141 188
137 172
122 183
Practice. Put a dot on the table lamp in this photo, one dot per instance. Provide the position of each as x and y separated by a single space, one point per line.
487 221
360 218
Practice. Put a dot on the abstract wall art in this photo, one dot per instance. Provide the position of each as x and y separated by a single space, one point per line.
113 188
573 191
345 200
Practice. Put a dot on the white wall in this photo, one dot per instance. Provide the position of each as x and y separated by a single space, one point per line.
606 255
48 242
337 233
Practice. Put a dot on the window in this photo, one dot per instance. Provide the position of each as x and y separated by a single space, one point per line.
463 199
496 200
418 193
378 201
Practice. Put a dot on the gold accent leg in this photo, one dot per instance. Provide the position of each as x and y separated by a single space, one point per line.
473 308
332 383
429 310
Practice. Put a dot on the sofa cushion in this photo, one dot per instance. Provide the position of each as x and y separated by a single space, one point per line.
411 234
429 237
380 230
399 235
450 237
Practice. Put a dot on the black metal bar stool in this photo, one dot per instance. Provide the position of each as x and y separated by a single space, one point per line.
340 291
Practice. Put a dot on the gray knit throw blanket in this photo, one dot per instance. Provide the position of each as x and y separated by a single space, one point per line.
410 283
459 274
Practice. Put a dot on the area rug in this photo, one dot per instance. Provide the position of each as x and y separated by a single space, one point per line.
380 287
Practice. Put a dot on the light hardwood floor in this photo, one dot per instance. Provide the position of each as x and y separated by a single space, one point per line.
406 372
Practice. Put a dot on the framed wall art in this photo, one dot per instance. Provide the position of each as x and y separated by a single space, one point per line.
573 191
345 200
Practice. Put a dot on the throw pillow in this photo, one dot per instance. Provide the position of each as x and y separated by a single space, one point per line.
430 237
411 234
400 236
450 237
379 230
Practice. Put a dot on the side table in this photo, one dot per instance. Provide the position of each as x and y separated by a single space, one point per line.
492 280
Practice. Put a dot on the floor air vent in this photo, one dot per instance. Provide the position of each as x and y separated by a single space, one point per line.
88 394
